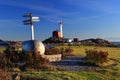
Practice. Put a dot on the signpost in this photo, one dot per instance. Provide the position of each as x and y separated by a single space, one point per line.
30 22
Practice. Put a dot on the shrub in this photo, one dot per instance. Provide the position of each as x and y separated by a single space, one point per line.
15 70
5 76
68 51
2 49
52 51
65 52
96 57
5 62
35 61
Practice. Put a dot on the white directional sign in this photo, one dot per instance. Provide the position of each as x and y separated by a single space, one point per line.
35 20
30 21
35 17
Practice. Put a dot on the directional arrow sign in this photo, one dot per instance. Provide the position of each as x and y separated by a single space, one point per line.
35 17
26 15
26 20
35 20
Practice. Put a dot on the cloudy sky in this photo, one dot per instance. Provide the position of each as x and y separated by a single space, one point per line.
81 18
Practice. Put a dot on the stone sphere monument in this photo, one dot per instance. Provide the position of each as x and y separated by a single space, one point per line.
35 46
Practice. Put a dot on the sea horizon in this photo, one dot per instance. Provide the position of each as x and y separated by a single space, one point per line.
116 42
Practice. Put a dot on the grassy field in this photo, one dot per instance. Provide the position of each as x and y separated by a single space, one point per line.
98 74
109 73
114 52
67 75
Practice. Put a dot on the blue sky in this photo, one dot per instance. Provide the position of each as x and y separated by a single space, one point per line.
81 18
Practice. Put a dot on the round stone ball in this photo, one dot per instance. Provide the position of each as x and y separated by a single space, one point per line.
35 46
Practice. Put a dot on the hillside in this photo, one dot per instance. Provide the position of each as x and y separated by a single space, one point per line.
88 42
97 42
54 40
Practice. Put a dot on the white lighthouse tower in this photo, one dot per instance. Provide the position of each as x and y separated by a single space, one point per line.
60 25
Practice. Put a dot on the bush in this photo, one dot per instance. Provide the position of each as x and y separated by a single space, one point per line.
2 49
15 70
5 62
4 75
52 51
96 57
35 61
15 61
68 52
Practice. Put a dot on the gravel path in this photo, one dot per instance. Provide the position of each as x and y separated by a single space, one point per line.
73 63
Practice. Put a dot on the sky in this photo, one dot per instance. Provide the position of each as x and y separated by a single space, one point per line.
81 19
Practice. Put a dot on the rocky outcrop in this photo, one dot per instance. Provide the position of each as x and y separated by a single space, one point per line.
55 40
97 42
88 42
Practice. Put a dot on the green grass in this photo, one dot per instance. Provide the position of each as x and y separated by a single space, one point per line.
2 49
59 75
111 73
114 52
67 75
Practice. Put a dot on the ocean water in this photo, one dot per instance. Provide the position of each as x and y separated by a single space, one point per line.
116 43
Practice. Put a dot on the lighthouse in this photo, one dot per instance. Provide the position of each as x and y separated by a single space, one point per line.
58 33
60 26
